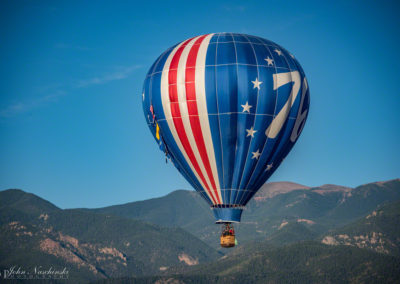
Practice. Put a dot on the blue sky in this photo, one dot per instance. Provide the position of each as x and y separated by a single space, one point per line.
71 124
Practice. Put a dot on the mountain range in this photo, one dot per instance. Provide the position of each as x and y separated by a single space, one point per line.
274 206
175 237
365 251
35 232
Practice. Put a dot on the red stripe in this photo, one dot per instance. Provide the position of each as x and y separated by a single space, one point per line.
193 112
176 113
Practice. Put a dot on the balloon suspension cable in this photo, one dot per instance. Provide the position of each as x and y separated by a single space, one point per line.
165 148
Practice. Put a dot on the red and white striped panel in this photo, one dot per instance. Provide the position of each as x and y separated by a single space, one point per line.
185 107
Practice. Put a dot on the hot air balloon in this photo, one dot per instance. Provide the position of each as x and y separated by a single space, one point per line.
226 109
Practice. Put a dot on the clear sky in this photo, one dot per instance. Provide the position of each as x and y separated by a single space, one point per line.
71 124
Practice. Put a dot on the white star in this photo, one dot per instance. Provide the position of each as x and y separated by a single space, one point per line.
269 167
250 132
256 84
143 96
246 107
278 51
269 60
256 155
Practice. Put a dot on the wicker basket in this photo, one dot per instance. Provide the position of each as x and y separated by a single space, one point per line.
227 241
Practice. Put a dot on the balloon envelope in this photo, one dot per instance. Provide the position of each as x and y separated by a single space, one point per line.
227 109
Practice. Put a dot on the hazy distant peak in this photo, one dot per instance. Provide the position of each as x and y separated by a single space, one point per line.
333 186
396 180
329 188
272 189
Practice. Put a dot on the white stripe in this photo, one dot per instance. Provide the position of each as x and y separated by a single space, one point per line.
168 116
202 108
301 116
183 107
281 79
